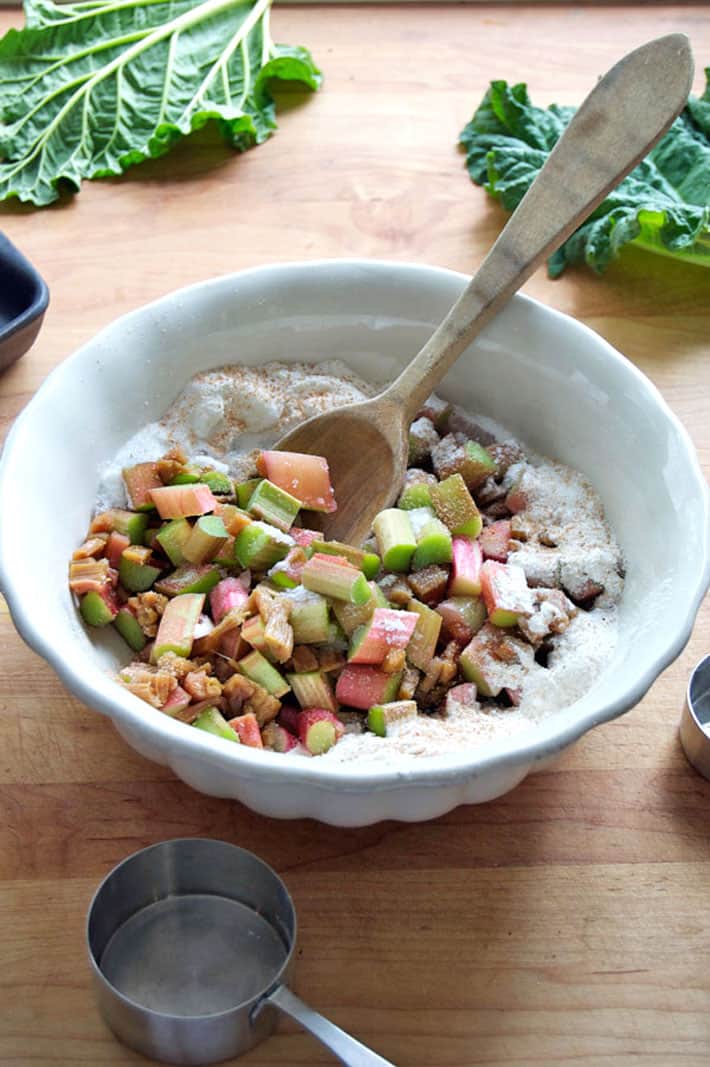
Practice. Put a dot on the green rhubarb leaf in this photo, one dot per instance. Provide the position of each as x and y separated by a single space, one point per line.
663 205
89 88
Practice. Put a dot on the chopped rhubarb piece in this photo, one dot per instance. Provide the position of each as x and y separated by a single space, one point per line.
248 729
505 592
466 568
505 454
260 545
177 626
462 697
131 523
462 617
234 518
245 491
257 668
422 438
254 633
429 584
176 702
115 546
367 562
232 645
319 729
213 722
494 661
387 629
288 718
313 689
422 645
516 500
94 547
183 501
227 594
278 739
437 410
130 629
207 537
495 540
333 576
395 538
361 686
415 493
350 616
286 574
304 537
382 717
274 505
310 618
306 477
219 482
140 480
456 507
89 575
433 539
98 608
136 571
189 579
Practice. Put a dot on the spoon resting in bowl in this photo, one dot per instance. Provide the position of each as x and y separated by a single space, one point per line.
628 111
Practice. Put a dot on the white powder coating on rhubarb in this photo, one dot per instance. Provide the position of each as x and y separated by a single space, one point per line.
226 416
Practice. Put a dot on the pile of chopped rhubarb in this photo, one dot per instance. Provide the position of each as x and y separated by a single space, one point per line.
247 624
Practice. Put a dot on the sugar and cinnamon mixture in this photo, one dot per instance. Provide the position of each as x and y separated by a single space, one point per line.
560 539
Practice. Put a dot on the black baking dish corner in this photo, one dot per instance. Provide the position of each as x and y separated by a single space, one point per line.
23 301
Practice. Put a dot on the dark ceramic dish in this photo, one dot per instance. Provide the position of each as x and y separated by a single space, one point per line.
23 301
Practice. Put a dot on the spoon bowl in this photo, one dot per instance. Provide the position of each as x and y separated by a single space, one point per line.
625 114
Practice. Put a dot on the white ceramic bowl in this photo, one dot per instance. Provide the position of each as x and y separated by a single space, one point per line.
550 380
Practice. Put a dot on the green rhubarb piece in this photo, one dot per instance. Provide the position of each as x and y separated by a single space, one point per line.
382 716
395 538
479 464
225 553
213 722
336 636
321 737
456 507
367 562
134 576
187 476
281 579
189 579
207 536
129 628
309 619
259 545
273 505
433 539
258 669
132 524
245 491
219 482
313 690
422 643
176 630
172 538
337 580
94 610
415 496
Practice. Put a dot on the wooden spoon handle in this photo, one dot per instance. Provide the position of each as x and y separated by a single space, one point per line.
630 109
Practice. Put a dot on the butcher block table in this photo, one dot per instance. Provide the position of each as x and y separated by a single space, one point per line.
565 923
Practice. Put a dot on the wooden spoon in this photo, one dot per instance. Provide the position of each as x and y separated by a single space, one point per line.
630 108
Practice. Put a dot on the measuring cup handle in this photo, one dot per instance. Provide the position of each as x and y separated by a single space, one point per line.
346 1048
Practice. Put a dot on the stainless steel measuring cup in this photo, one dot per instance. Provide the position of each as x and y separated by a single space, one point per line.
695 720
191 944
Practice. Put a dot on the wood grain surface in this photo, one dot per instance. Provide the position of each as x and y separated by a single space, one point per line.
567 922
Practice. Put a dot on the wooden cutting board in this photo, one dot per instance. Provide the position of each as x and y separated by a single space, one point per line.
565 923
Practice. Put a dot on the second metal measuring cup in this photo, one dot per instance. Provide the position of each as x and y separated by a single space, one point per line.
191 942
